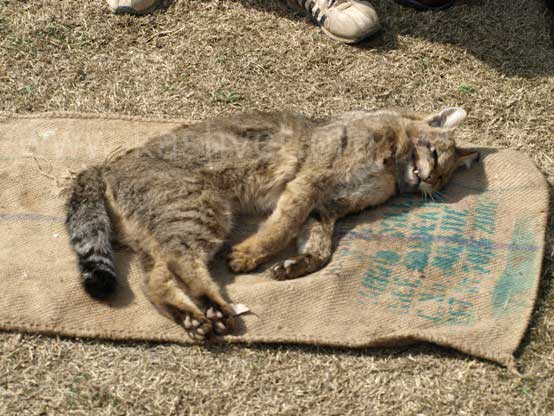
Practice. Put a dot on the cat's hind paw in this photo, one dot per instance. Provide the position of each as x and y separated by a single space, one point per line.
290 268
198 330
222 322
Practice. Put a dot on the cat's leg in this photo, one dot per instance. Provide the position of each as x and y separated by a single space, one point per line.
195 276
163 291
315 243
284 224
178 225
187 239
179 284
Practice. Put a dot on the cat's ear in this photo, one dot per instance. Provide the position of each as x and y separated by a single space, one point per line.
466 157
450 117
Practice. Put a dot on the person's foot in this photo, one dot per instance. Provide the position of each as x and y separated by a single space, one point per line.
133 6
348 21
425 5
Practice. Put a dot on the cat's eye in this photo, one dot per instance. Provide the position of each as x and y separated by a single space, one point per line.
435 156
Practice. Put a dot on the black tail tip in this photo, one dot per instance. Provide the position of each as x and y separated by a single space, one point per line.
100 284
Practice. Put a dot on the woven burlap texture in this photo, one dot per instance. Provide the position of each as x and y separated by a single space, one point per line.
461 271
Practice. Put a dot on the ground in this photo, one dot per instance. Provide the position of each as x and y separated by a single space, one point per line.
193 59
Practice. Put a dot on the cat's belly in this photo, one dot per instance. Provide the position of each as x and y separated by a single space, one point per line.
260 193
258 196
358 195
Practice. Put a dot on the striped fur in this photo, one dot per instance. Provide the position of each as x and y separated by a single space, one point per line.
173 200
90 231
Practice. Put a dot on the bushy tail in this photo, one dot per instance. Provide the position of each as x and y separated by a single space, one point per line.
89 228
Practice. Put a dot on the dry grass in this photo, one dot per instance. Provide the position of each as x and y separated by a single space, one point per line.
196 58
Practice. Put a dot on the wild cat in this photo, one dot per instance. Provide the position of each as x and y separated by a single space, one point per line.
173 200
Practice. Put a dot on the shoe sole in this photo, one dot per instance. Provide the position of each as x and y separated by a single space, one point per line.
351 41
130 10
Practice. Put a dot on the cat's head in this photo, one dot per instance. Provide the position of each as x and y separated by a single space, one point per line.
433 155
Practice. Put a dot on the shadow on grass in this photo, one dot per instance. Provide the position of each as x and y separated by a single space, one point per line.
511 37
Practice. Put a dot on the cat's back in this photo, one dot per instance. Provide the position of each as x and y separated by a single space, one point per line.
243 136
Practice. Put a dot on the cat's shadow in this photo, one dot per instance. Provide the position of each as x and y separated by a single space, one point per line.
125 296
464 183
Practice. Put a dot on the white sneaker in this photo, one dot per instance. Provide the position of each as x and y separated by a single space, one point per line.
133 6
348 21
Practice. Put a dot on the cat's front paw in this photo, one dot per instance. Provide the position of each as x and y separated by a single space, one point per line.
241 259
290 268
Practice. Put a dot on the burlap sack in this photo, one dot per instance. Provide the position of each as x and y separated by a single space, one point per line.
460 272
